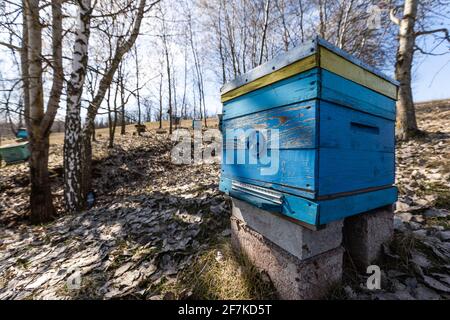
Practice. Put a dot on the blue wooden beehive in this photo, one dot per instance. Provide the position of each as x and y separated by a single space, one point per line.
335 118
22 133
15 152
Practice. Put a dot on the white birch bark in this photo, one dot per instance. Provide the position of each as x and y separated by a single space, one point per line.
72 138
406 117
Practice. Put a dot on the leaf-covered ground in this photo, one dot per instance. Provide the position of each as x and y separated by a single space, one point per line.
160 230
150 218
416 265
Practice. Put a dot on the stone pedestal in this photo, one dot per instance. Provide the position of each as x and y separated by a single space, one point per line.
292 237
302 263
364 235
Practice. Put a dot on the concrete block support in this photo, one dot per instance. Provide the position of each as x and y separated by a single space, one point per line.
293 278
292 237
302 263
364 235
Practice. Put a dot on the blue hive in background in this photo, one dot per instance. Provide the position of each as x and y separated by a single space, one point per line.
22 133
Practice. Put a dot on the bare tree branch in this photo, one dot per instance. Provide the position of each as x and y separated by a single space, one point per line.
426 32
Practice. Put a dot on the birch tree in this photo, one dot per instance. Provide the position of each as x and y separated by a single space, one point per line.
72 138
408 34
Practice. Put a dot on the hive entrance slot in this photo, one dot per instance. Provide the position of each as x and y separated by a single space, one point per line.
365 127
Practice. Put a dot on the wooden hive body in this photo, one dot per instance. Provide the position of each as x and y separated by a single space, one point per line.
335 118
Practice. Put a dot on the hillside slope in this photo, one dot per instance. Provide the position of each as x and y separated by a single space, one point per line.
160 230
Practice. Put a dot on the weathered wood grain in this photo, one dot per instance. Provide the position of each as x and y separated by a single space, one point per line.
296 125
342 170
337 89
339 208
293 206
296 168
318 212
338 65
295 89
347 129
323 43
307 48
286 72
336 136
282 60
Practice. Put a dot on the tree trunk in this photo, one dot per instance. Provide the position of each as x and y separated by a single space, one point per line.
110 120
169 83
86 160
72 137
113 129
323 19
138 97
94 139
39 124
122 114
300 6
160 101
264 35
122 100
105 82
183 103
406 116
24 66
42 209
199 75
221 49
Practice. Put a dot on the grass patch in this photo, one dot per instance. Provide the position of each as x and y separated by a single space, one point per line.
337 292
164 287
439 221
89 290
221 273
441 191
22 262
5 277
401 247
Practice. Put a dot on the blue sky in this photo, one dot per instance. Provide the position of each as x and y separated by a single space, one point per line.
432 78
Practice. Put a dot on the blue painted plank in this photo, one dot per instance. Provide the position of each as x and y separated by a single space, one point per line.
298 88
295 207
344 143
345 128
295 168
281 61
348 93
344 171
308 194
339 208
300 52
318 212
295 124
256 201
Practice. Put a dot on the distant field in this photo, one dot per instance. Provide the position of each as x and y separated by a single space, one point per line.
58 137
